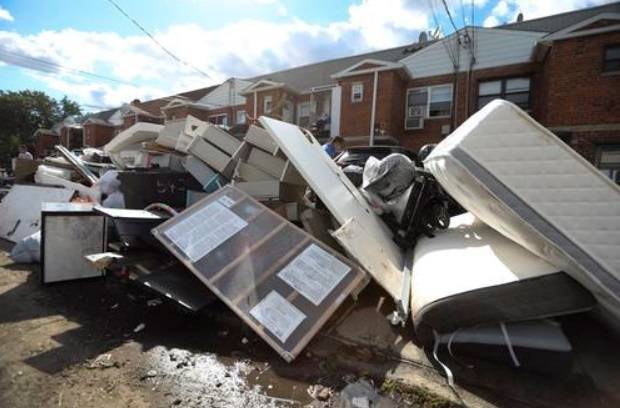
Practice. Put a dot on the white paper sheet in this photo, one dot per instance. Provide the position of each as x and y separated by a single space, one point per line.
226 201
314 273
277 315
205 230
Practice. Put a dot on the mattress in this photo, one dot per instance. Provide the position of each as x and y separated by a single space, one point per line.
520 179
539 345
470 274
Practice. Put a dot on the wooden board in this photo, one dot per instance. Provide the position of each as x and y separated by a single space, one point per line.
250 269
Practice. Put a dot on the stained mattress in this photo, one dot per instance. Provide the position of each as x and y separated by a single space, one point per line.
470 274
523 181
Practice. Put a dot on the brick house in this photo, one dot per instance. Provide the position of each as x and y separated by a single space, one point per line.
44 142
563 69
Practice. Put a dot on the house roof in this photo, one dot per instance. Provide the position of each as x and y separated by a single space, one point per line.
197 94
305 77
559 21
103 115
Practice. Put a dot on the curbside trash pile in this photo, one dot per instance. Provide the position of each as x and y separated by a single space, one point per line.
499 230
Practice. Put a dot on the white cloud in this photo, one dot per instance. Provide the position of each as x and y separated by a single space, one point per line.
490 21
241 49
506 11
282 11
5 14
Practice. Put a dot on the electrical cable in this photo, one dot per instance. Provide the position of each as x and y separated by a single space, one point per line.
160 45
13 58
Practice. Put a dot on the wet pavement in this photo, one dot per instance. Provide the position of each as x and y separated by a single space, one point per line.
108 343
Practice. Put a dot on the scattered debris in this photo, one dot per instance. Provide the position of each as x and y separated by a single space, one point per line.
272 226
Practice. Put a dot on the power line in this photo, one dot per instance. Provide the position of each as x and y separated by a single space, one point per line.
445 5
443 41
13 58
160 45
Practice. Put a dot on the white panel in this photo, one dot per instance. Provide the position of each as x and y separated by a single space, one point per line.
20 209
226 94
68 238
334 123
493 48
344 201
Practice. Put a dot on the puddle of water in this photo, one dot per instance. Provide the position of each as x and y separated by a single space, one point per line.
206 380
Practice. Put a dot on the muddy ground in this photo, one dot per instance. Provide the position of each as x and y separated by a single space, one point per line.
108 343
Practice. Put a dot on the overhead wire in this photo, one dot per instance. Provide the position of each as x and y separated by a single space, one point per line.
26 61
445 5
159 44
451 55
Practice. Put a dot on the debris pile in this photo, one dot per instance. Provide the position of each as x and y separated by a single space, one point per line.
499 230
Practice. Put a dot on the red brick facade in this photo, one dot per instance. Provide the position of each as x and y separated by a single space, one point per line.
97 134
569 94
44 143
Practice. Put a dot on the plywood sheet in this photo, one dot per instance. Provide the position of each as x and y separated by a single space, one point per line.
259 264
20 209
379 255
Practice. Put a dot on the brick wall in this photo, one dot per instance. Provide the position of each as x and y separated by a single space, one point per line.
97 135
580 95
44 144
578 92
355 117
465 99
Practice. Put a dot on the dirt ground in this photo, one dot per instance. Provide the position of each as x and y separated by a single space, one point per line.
106 343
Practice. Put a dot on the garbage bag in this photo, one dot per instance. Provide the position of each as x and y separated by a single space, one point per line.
389 177
355 174
109 182
28 250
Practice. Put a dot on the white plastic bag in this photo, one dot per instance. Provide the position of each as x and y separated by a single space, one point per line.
28 250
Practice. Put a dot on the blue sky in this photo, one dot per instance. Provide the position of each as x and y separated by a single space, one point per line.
227 38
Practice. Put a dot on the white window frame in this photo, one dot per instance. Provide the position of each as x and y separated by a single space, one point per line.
243 119
301 105
360 86
267 99
429 90
219 115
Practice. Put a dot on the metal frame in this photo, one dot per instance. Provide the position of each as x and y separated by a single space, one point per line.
354 277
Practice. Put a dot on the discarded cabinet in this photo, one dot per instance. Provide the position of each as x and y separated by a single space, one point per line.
68 233
280 280
260 138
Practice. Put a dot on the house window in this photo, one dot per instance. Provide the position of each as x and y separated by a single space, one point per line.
267 106
428 102
611 59
440 103
357 93
608 161
221 119
303 114
240 117
515 90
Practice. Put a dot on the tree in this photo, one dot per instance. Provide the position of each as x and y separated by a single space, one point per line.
23 112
